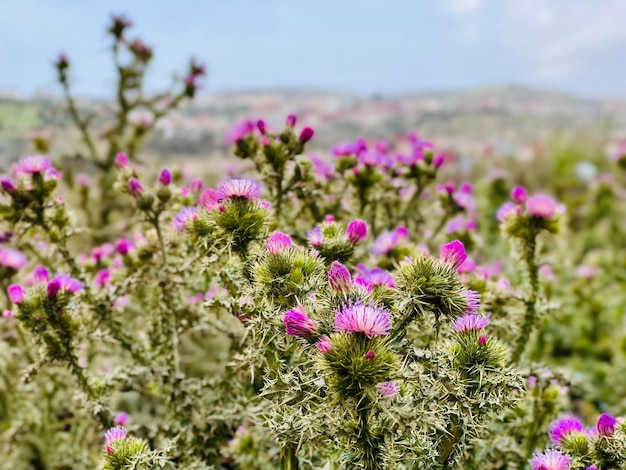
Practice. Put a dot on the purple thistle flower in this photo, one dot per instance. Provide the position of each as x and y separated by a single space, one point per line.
542 207
343 149
185 216
550 460
453 253
13 259
322 169
123 246
388 389
519 195
135 187
64 283
470 323
165 177
240 131
7 184
473 301
505 210
209 199
339 277
606 425
306 134
260 124
16 293
196 185
374 277
439 160
384 243
239 188
291 120
360 318
298 323
83 180
563 426
121 418
324 344
121 160
315 236
356 231
34 164
592 467
277 243
112 435
102 278
40 274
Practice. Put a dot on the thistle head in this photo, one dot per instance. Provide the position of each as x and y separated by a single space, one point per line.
356 231
339 277
277 243
298 323
453 254
550 460
16 293
368 320
564 426
239 188
606 425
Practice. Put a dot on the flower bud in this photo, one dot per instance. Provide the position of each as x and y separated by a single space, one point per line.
261 126
453 253
339 277
519 195
306 134
298 323
123 246
277 243
356 231
8 185
135 187
438 160
16 293
324 344
121 160
53 288
369 355
165 177
40 274
121 419
291 120
145 202
606 425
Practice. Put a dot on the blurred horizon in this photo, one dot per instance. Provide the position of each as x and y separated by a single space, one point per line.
572 47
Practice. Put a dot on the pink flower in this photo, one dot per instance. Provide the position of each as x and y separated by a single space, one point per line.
277 243
388 389
505 210
298 323
34 164
40 274
356 231
121 418
322 169
519 195
453 253
606 425
121 160
564 426
165 177
64 283
470 322
542 207
550 460
209 199
439 160
360 318
12 259
83 180
384 243
184 217
112 435
374 277
291 120
306 134
339 277
239 188
135 187
102 278
16 293
324 344
123 246
240 131
315 236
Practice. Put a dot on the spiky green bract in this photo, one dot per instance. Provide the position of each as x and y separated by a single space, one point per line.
576 444
241 221
427 286
351 373
124 454
336 246
288 277
469 352
50 320
525 226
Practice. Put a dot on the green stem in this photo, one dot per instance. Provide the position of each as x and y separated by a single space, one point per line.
289 458
366 441
530 318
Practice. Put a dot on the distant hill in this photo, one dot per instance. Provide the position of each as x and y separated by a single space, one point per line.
462 119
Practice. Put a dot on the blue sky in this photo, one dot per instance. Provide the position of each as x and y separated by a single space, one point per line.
368 46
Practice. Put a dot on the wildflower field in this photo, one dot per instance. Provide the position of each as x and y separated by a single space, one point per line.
373 308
